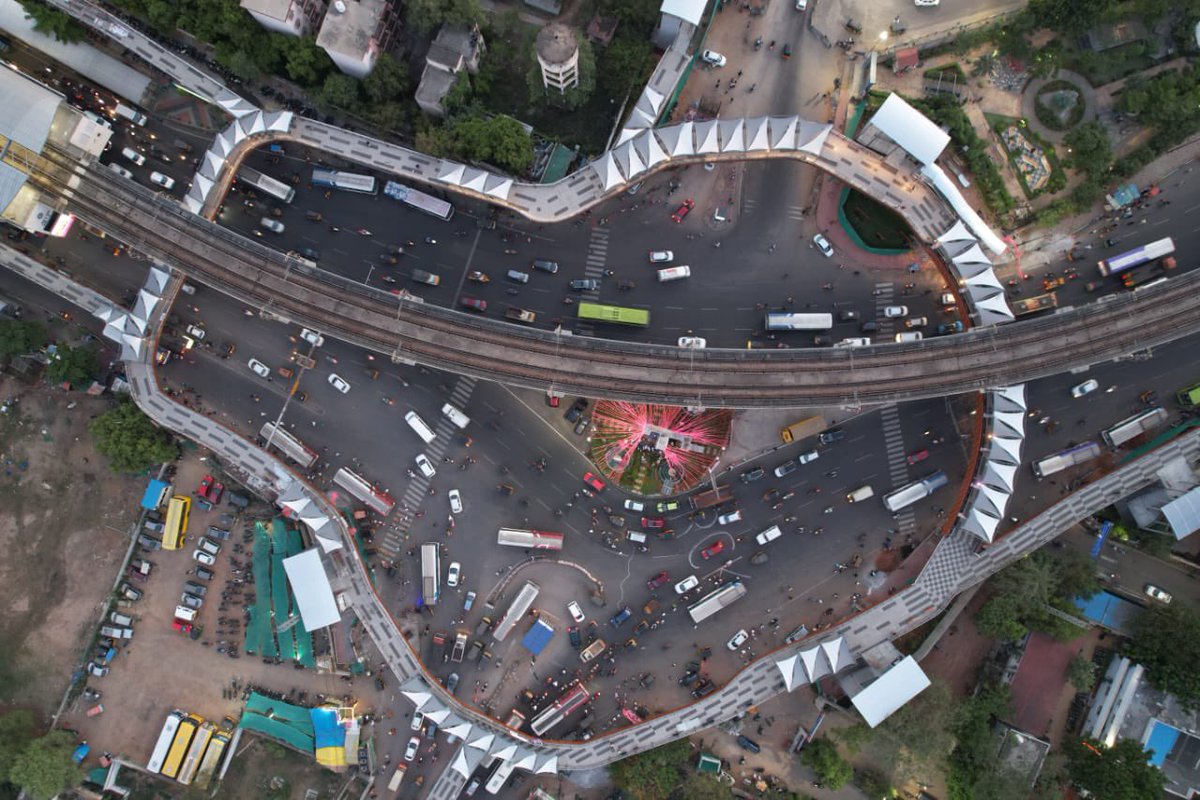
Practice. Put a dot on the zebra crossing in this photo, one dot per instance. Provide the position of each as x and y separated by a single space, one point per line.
795 213
885 294
897 457
594 265
418 487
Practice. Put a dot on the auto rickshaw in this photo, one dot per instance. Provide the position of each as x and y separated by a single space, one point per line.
477 276
312 216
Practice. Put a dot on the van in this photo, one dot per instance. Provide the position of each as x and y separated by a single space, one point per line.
673 273
131 115
546 266
916 322
858 341
637 537
860 494
397 778
99 120
909 336
454 415
118 618
518 276
184 613
133 155
418 425
115 632
592 650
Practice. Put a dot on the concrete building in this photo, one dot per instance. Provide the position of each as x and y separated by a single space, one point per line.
355 32
292 17
558 56
455 49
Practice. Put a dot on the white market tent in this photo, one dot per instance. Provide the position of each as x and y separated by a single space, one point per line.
687 10
918 135
891 690
310 585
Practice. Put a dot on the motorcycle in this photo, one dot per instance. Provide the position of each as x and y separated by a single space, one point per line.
388 401
363 232
567 301
758 43
828 510
387 279
430 240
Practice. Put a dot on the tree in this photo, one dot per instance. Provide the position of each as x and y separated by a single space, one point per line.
1122 770
53 22
129 438
697 786
822 756
387 81
873 782
1023 592
623 65
653 774
16 731
1166 641
73 365
497 140
305 62
339 91
1069 16
425 15
45 768
1091 152
1000 618
17 337
1081 672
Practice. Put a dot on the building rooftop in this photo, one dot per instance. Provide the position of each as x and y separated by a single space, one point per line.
269 8
435 83
351 25
556 43
32 109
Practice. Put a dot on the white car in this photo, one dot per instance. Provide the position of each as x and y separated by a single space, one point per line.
1158 594
312 337
425 465
165 181
823 245
805 458
96 670
893 312
273 225
453 574
456 505
258 368
196 331
133 155
634 505
204 558
925 3
713 58
338 383
1087 387
575 611
418 721
769 535
687 584
730 518
124 173
694 342
410 750
801 5
739 639
661 256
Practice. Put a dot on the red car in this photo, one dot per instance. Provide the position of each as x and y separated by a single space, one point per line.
594 482
473 303
181 626
657 581
920 455
653 522
683 210
211 490
712 549
552 400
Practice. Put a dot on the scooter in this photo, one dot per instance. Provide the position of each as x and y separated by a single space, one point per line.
758 43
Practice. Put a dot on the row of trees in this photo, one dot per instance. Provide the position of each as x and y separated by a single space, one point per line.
1025 592
38 764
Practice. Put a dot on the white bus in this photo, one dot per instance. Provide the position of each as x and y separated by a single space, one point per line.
419 200
714 601
536 540
165 738
266 184
516 610
571 700
917 490
782 321
1128 429
346 181
419 426
1067 458
377 500
195 752
289 445
499 776
431 573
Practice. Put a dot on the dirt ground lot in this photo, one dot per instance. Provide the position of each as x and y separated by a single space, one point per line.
64 518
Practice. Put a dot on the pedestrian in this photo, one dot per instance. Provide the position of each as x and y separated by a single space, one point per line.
751 89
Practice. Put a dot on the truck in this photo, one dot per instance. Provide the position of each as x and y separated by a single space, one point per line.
520 314
809 426
130 114
1032 305
713 497
460 646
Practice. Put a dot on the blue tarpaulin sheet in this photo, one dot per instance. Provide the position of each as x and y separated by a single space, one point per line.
326 730
538 637
1162 738
155 492
1109 610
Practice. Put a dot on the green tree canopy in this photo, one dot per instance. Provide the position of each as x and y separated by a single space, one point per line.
973 760
339 91
1166 641
18 337
73 365
16 731
1122 770
623 65
653 774
697 786
53 22
1069 16
129 438
1091 152
1023 592
822 756
497 140
45 768
1081 672
387 81
425 15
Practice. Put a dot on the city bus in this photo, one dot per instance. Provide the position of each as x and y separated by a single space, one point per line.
917 490
1141 276
419 200
163 746
1189 397
1067 458
377 500
346 181
499 776
1132 427
783 321
179 747
211 761
536 540
1032 305
516 610
431 573
266 184
1136 257
571 701
289 445
714 601
177 521
618 315
191 762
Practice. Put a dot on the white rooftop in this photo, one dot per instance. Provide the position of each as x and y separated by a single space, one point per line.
687 10
310 585
890 691
909 128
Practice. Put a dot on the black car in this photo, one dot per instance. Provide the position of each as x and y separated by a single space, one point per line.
746 743
848 315
576 410
310 253
204 573
197 589
573 634
752 475
585 285
831 436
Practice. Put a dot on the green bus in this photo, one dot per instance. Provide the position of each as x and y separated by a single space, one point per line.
1189 397
595 312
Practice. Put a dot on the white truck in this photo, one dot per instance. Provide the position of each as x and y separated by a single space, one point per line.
136 117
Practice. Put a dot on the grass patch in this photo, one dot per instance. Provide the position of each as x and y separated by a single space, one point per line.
1057 180
1111 65
947 72
877 225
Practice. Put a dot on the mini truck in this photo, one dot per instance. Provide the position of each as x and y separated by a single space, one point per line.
520 314
460 646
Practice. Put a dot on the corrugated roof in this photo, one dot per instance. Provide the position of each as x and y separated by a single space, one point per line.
909 128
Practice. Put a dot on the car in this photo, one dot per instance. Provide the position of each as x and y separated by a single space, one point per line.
746 743
769 535
198 589
713 58
208 545
801 5
181 626
703 689
634 505
893 312
1158 594
410 750
916 322
339 383
164 181
694 342
574 637
730 518
848 315
665 506
258 368
311 253
211 489
418 721
925 3
581 426
575 611
124 173
473 303
190 600
917 456
823 245
739 639
469 601
772 496
752 475
545 266
203 574
683 210
453 574
712 550
196 331
312 337
1085 388
204 558
807 458
456 504
594 482
618 619
832 435
687 584
947 328
654 522
785 468
661 256
576 410
95 670
133 155
273 225
425 465
657 580
585 285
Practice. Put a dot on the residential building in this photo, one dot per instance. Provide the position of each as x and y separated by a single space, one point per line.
455 49
355 32
291 17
